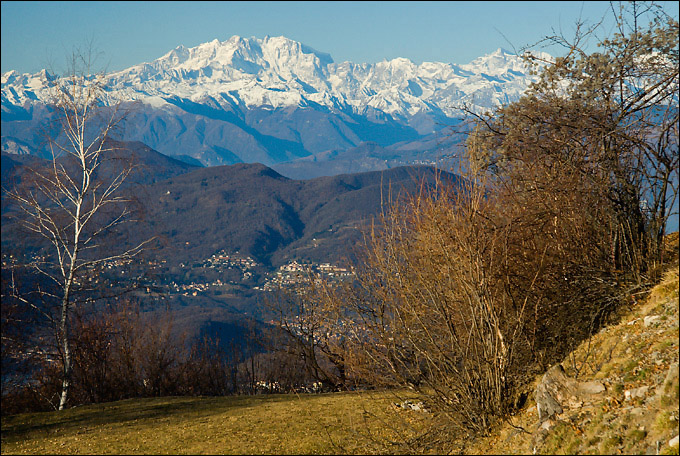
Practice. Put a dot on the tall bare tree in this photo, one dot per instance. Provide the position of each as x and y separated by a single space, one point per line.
75 201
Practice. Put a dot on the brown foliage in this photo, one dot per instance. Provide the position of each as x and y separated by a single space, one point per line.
315 330
466 292
121 353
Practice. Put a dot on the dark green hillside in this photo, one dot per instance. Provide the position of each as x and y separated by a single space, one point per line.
148 165
370 156
152 165
240 208
10 162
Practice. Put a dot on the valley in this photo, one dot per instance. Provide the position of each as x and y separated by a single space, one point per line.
228 236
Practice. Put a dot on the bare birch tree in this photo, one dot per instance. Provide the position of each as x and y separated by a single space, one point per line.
75 201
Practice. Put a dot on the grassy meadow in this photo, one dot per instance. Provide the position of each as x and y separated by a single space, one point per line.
333 423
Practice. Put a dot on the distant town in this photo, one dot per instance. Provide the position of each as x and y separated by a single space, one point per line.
217 272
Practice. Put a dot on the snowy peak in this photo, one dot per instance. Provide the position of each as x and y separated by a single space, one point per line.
273 100
497 63
9 77
282 46
177 56
275 72
292 60
247 55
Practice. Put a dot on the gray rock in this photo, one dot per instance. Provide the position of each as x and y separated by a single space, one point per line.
557 391
593 387
651 320
546 404
671 376
674 441
635 393
547 425
409 405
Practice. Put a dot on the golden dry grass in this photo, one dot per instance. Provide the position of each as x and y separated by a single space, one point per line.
335 423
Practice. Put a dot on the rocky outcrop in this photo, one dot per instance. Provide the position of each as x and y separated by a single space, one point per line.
557 391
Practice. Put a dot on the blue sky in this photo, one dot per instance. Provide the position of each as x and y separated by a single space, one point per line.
36 35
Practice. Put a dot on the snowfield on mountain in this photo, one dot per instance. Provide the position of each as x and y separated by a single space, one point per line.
275 100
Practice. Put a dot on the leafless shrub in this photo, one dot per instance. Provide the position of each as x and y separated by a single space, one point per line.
316 329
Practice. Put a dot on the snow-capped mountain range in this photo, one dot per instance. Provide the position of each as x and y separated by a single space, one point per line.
282 99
